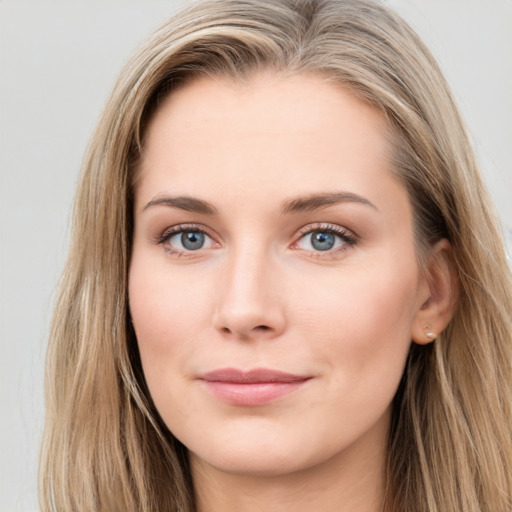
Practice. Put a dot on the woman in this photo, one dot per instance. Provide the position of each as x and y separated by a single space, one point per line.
286 287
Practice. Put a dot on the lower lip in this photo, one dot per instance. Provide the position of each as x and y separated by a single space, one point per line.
251 394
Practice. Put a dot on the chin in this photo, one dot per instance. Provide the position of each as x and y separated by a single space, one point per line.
266 448
255 463
259 454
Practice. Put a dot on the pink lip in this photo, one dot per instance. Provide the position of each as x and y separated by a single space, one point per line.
250 388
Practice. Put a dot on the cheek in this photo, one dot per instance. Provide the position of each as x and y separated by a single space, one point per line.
167 312
362 319
359 301
165 302
362 328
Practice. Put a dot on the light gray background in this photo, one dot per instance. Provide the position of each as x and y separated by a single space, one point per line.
58 60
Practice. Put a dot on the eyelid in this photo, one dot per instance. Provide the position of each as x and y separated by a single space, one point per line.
178 228
173 231
348 237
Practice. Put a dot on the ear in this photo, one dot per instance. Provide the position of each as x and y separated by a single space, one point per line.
439 293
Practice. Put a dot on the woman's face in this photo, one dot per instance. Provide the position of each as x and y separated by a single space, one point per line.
274 284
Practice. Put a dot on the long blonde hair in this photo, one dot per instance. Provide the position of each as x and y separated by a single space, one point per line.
105 447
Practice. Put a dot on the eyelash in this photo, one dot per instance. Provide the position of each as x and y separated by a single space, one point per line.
348 238
176 230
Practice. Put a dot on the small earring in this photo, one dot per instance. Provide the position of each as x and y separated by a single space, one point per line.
429 335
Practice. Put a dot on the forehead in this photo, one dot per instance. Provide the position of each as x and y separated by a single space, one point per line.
272 136
268 102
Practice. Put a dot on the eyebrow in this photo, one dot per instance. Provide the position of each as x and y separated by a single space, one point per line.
321 200
296 205
189 204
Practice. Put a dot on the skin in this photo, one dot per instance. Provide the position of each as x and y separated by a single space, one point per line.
259 295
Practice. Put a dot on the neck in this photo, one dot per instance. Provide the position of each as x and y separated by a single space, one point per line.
351 481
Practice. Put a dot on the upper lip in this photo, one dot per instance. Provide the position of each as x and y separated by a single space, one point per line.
254 376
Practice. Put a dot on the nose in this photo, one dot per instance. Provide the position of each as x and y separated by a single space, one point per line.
250 302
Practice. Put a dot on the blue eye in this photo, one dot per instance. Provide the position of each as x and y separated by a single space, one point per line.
192 240
322 240
325 239
181 240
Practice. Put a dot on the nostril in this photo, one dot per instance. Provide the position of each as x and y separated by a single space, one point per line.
262 328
